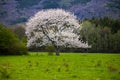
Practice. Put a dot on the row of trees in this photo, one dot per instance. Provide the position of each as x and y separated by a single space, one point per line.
102 34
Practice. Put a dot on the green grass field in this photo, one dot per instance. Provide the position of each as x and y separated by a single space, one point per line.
69 66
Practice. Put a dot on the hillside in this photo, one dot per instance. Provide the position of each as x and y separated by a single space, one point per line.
18 11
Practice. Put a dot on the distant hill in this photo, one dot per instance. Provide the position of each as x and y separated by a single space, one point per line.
18 11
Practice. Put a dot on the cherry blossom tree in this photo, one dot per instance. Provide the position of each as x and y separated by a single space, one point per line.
54 27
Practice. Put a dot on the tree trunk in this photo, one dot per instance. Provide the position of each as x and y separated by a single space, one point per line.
57 51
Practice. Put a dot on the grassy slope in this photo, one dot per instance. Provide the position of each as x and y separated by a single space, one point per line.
64 67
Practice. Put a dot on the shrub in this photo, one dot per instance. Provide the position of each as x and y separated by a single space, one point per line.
50 49
10 44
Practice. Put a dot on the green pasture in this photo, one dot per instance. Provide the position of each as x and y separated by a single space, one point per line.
69 66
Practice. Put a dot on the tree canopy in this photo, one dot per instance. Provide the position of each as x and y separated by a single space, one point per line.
54 27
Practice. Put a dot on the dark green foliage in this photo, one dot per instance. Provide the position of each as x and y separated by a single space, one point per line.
50 49
102 34
20 32
103 22
10 44
115 42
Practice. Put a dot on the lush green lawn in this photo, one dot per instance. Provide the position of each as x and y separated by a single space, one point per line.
64 67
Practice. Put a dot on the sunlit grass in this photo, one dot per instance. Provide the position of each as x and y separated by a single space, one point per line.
69 66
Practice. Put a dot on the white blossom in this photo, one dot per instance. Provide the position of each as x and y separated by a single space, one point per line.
54 26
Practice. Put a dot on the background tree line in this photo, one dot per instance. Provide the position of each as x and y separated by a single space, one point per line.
102 34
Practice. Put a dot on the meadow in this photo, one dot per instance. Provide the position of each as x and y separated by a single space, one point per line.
69 66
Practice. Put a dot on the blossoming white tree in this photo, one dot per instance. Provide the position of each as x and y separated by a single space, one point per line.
54 27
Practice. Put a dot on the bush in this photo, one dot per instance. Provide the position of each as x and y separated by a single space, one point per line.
10 44
19 31
50 49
